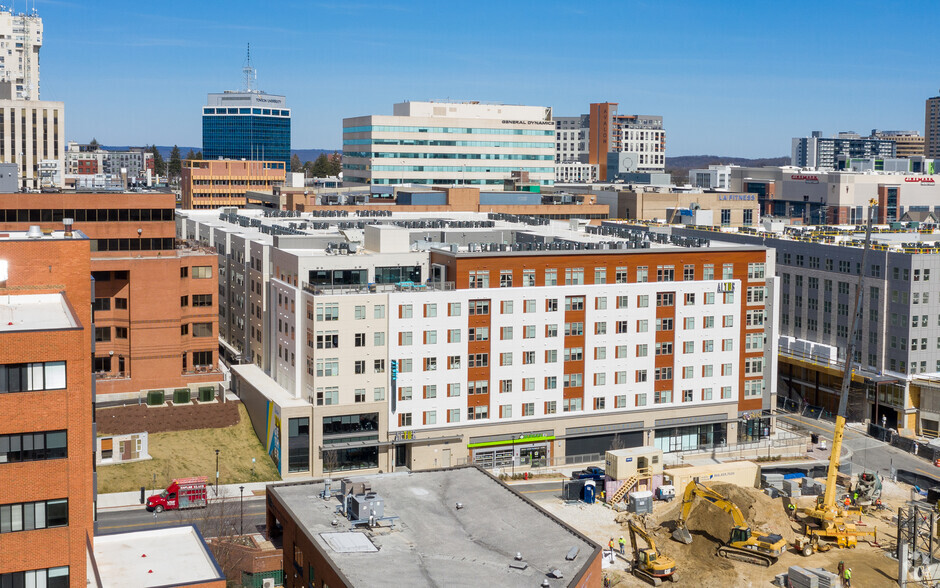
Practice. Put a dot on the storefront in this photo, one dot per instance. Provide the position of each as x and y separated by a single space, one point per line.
503 451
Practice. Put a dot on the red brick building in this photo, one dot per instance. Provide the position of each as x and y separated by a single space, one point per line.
156 306
46 428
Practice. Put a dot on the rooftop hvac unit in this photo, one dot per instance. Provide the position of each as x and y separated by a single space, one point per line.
267 583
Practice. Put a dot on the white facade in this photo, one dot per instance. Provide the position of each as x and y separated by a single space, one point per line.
20 41
644 137
716 177
577 172
450 143
134 162
44 139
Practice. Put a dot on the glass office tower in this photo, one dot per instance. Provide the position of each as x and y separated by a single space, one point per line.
246 125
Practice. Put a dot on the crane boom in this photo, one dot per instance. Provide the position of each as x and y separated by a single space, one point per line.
829 499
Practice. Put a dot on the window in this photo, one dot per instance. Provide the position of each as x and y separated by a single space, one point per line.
479 307
528 409
689 323
551 277
642 326
47 578
528 357
405 311
103 304
430 364
29 377
641 375
359 312
453 390
708 271
506 307
121 303
551 305
551 382
665 273
574 303
641 399
551 330
574 276
727 369
551 407
430 391
477 412
551 356
664 373
664 324
600 275
505 358
478 359
28 516
573 380
688 273
665 298
102 333
202 329
360 366
199 300
202 272
621 275
120 332
33 446
642 274
378 311
453 415
479 279
478 387
574 329
405 338
505 278
528 277
473 334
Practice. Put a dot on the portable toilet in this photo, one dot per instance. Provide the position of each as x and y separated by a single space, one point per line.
589 494
641 502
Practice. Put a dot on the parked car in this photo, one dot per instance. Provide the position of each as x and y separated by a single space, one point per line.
591 473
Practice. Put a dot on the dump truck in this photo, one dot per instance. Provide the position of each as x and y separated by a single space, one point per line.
182 493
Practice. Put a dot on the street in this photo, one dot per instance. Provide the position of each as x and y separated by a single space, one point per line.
212 521
868 453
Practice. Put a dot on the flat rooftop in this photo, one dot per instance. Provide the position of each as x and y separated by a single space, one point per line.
35 312
434 543
174 556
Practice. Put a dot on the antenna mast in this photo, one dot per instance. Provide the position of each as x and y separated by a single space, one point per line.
249 72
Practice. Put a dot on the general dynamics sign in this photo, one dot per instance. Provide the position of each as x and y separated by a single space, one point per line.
736 197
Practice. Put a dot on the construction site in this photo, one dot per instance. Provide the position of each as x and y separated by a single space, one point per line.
863 537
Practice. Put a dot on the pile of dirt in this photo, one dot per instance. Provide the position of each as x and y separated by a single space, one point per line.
161 419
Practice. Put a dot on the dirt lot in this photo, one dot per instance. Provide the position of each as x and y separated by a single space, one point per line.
160 419
178 454
698 563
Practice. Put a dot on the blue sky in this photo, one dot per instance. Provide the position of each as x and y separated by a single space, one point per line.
729 78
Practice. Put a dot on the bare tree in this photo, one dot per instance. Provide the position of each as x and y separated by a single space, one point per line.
330 462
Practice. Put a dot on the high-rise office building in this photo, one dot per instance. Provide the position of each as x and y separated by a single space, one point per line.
450 143
246 124
932 128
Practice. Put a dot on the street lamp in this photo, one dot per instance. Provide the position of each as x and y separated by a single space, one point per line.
217 472
241 510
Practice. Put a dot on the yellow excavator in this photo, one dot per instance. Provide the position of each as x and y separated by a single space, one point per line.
762 550
828 519
649 564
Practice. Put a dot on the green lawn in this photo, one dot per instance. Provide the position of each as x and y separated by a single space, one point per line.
183 454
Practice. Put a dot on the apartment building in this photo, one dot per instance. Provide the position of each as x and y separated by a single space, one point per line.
218 183
822 153
641 137
932 127
156 302
47 497
716 177
450 143
20 41
907 143
136 163
818 269
512 342
571 138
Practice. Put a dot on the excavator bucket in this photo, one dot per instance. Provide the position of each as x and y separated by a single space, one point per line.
682 535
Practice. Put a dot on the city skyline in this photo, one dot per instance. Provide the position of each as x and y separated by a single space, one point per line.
728 81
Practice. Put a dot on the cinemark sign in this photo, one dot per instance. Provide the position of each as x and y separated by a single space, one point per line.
805 178
919 180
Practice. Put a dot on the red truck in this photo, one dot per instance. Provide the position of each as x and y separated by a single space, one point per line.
181 493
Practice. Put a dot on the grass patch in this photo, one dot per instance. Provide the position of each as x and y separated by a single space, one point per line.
182 454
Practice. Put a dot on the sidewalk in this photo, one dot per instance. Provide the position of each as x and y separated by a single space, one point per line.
131 500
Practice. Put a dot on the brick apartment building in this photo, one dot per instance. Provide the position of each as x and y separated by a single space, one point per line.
156 307
224 182
46 397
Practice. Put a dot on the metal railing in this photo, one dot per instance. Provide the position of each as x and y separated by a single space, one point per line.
333 289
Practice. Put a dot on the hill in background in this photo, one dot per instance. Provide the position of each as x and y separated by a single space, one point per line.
303 154
679 166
